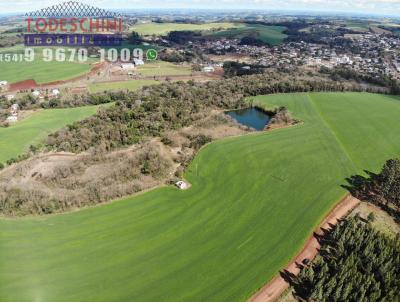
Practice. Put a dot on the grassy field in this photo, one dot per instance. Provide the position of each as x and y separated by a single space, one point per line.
358 26
270 34
17 138
148 29
161 68
38 70
253 204
125 85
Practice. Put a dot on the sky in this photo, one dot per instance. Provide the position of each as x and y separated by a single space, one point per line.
390 7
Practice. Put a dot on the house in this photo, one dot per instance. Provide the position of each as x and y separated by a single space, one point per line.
3 85
55 92
208 69
138 62
12 119
182 185
127 66
10 97
14 109
36 93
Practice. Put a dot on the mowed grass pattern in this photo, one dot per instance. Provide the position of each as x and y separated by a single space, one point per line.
17 138
254 202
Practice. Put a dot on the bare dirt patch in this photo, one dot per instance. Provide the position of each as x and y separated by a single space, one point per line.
59 182
274 289
382 220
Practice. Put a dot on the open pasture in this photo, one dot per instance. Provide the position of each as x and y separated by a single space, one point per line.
253 203
123 85
272 35
16 139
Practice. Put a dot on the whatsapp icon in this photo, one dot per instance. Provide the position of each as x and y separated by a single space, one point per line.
151 54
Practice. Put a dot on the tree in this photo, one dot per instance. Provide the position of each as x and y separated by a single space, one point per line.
371 217
389 181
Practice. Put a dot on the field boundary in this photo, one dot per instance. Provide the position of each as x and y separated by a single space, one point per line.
271 291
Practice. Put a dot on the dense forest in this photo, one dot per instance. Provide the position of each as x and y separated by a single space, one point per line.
171 106
356 263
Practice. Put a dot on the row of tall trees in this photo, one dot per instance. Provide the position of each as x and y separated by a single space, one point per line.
356 263
382 189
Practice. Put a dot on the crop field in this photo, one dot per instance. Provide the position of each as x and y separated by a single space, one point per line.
253 203
270 34
123 85
161 68
17 138
148 29
38 70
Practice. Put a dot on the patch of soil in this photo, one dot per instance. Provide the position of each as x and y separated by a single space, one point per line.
23 85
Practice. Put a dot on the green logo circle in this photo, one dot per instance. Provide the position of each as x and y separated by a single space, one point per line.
151 54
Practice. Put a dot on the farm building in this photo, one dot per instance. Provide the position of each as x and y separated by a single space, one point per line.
10 97
181 185
3 85
55 92
14 109
12 119
138 62
36 93
208 69
127 66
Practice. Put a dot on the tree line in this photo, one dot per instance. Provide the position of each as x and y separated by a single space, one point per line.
356 263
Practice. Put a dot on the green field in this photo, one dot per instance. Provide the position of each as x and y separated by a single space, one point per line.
38 70
254 202
358 26
270 34
161 68
148 29
125 85
17 138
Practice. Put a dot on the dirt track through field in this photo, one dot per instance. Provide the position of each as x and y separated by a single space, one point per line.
273 289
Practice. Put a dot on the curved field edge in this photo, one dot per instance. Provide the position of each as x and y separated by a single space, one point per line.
17 138
254 202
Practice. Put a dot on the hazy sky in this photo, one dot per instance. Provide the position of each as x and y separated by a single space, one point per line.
362 6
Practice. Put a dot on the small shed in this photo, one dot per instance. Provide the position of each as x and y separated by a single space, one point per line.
208 69
36 93
182 185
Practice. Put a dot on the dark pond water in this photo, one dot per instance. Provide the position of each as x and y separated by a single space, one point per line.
251 117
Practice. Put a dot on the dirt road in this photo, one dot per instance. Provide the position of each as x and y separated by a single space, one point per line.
273 289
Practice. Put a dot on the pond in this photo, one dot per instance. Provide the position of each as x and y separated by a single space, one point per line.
251 117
